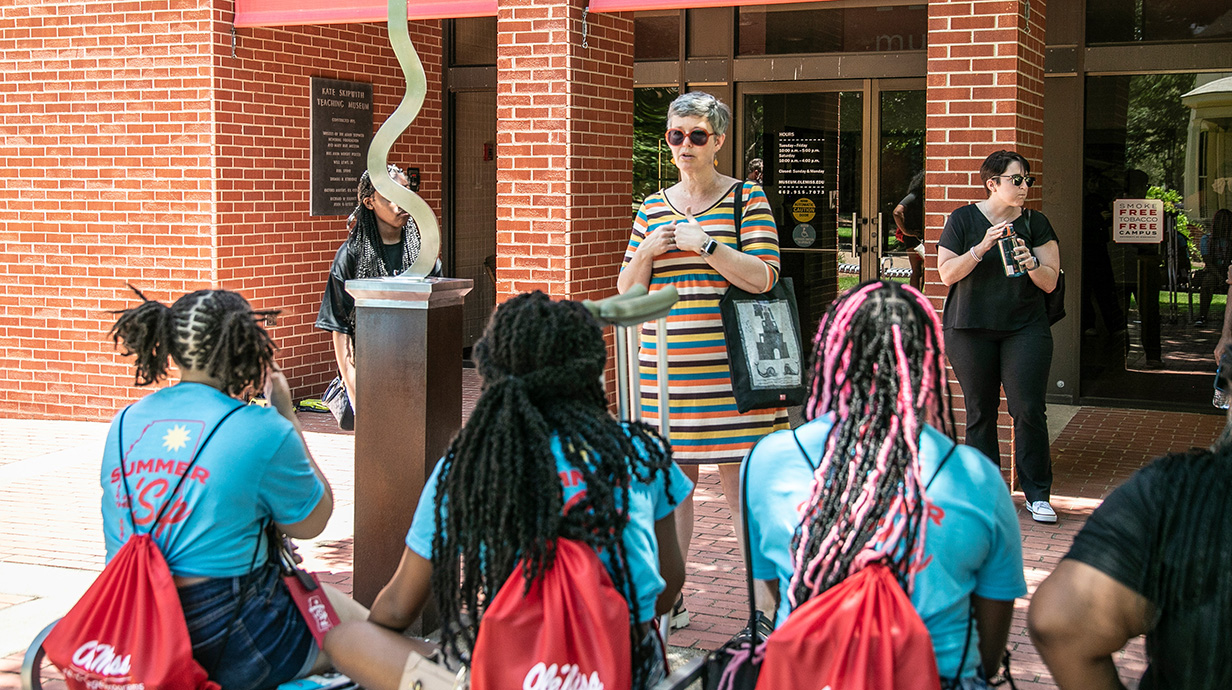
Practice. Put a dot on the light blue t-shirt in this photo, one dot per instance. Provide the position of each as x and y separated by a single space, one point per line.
648 503
973 544
254 468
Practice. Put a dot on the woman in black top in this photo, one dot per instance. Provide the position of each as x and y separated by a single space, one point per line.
996 327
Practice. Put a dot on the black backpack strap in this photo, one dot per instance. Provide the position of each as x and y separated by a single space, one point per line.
738 213
971 610
944 460
187 470
754 629
239 606
802 450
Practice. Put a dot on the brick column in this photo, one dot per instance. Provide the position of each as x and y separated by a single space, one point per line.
564 155
985 92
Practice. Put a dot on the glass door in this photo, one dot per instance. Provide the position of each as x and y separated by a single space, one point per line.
820 151
898 178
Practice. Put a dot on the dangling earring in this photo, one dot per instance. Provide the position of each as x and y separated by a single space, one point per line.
716 161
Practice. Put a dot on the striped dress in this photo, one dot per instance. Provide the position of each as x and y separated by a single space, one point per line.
706 427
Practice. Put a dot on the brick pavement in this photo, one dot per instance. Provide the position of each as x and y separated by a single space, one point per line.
51 543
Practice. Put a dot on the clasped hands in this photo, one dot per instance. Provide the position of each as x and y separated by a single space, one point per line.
686 235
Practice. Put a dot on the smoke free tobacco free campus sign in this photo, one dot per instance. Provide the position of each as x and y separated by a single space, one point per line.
1138 220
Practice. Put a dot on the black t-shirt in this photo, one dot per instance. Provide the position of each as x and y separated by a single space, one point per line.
913 215
986 297
1122 539
393 257
337 311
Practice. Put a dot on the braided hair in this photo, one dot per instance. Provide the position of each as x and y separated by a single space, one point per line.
499 499
215 331
879 368
1188 562
364 239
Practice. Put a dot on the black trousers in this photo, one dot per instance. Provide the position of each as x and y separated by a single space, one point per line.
983 362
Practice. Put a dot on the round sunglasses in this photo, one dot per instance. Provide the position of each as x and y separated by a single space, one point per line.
675 136
1017 180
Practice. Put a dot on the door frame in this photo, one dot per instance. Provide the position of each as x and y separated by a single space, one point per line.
867 242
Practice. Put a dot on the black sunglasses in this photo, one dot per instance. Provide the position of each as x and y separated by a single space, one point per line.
675 136
1017 180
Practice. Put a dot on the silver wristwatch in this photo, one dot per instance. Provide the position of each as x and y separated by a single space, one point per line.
709 247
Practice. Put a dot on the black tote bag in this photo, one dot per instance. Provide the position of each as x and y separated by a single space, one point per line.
1054 302
762 333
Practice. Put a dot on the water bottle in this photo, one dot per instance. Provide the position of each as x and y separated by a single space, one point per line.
1220 399
1006 246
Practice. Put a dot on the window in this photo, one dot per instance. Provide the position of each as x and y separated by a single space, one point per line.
786 29
1125 21
656 35
653 168
1157 136
474 41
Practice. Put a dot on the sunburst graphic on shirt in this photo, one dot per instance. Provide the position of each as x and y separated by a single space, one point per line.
176 438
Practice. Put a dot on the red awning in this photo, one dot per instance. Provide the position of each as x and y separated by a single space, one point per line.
633 5
292 12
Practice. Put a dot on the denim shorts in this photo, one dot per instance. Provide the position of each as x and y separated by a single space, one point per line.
269 643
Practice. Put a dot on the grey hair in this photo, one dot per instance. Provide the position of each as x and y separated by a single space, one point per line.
702 104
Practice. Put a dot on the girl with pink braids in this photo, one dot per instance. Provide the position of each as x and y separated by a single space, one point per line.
873 476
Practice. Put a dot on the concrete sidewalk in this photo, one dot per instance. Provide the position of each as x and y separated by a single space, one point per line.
51 544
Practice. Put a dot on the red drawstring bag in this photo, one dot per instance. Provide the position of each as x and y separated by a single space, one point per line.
128 629
127 632
861 634
570 631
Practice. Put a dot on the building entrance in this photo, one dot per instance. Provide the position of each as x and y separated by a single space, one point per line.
836 159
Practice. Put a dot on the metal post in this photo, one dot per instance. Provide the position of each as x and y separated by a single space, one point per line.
665 422
632 345
622 373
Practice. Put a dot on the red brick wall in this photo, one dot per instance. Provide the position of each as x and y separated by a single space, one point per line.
565 135
985 92
112 118
104 179
269 248
601 161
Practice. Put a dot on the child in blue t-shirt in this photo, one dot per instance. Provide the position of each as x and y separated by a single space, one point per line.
237 467
873 455
540 458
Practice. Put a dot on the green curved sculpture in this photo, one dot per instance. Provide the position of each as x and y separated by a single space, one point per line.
383 142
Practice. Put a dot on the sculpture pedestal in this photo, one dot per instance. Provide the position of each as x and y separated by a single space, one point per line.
408 356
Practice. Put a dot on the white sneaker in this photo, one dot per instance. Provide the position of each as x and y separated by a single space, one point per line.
1041 511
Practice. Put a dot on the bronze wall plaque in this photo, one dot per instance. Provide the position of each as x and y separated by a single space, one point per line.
341 133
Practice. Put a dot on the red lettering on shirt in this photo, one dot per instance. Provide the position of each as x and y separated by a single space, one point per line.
147 494
570 478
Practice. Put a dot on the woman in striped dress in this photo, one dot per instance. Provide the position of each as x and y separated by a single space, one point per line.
685 235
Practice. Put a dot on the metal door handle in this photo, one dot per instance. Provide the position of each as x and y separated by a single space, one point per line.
855 233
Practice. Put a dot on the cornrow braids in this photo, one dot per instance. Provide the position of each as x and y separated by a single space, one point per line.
879 367
215 331
499 498
1189 551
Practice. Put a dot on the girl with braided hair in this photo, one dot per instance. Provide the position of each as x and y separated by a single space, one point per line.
241 466
382 240
540 458
874 476
1154 559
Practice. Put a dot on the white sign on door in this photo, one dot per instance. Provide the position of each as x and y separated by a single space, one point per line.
1138 220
